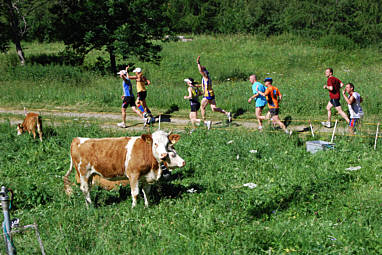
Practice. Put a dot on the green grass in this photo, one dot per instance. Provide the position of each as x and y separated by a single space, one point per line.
303 203
296 66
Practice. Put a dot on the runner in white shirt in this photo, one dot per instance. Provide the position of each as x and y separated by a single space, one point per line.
354 100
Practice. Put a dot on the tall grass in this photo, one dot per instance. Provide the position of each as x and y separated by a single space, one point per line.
296 66
303 203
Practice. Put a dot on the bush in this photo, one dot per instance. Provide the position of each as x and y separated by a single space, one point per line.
338 42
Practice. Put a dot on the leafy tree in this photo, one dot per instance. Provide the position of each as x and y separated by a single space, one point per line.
13 23
120 27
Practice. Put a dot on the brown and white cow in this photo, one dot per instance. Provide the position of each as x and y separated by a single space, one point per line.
31 123
137 158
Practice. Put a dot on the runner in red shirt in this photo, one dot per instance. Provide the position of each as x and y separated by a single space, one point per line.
333 85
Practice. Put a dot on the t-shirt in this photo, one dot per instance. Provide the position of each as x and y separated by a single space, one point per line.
127 88
355 108
336 84
272 94
260 100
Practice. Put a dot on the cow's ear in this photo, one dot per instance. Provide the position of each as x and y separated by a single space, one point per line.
147 138
174 138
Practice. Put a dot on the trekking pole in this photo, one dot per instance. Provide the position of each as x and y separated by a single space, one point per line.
376 137
334 131
311 128
7 221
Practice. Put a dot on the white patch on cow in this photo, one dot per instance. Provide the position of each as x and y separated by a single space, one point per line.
160 142
82 140
129 151
151 177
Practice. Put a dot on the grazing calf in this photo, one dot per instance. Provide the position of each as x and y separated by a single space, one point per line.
31 123
137 159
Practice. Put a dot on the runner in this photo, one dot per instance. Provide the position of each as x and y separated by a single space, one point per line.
260 100
127 97
208 93
354 101
274 98
333 86
193 95
142 81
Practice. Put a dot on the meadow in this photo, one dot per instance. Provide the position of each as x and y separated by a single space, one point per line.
302 203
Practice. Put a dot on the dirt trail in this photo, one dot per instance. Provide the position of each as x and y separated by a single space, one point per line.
109 120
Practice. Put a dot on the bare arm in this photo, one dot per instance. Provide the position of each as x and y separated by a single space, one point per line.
200 69
189 93
330 88
349 100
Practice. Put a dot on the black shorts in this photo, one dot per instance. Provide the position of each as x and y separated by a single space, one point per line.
274 111
142 95
195 106
128 101
335 102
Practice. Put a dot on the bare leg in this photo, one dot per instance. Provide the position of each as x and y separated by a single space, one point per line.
193 118
214 108
123 110
136 111
203 108
260 118
342 113
277 120
329 109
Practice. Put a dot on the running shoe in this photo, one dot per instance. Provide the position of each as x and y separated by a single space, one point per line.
208 124
229 115
122 125
326 124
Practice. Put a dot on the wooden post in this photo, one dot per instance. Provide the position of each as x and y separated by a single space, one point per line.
376 137
311 128
159 122
334 131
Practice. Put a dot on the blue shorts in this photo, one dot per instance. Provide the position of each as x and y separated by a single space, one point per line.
210 98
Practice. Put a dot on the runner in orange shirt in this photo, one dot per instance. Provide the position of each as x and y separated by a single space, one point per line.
273 98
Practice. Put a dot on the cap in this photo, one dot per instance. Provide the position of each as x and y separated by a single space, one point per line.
189 80
268 79
137 70
122 72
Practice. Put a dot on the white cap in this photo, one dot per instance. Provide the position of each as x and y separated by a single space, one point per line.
187 80
122 72
137 70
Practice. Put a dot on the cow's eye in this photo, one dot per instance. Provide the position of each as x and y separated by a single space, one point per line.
172 154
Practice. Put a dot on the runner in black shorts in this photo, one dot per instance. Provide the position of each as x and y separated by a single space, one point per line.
335 102
128 101
193 95
141 96
127 97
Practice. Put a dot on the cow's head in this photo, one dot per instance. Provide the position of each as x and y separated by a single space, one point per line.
20 129
163 148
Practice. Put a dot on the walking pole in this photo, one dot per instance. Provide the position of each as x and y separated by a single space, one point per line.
334 131
7 221
376 137
311 128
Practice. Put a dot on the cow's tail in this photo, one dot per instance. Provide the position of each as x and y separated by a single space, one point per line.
67 183
39 127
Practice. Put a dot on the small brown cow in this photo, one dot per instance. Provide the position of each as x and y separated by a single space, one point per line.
107 161
31 123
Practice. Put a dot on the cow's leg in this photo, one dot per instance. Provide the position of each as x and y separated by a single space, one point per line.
146 190
34 134
85 187
134 186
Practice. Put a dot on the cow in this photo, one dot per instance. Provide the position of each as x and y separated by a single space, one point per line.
31 123
138 159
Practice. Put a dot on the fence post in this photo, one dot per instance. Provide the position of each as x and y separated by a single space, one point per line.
376 137
7 221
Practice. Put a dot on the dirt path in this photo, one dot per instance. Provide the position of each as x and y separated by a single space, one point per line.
109 120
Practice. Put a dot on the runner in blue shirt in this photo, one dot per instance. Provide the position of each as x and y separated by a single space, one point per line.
127 97
261 101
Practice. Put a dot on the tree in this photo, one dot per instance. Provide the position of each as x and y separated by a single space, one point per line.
13 22
120 27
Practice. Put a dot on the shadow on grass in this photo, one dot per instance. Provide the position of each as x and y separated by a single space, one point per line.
173 108
48 132
238 112
287 120
162 189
